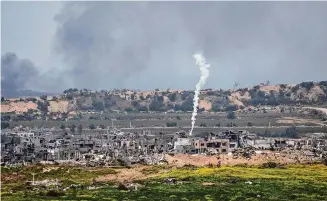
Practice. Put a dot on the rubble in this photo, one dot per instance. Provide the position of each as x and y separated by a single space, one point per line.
127 186
112 147
170 181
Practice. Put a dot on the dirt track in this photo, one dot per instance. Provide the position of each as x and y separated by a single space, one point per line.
180 160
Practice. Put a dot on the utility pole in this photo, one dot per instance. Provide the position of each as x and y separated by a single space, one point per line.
33 178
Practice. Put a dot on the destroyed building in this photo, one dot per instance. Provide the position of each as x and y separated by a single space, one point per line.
112 144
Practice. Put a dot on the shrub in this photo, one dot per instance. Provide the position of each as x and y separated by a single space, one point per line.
171 124
324 161
54 193
231 115
203 125
92 126
129 109
231 107
269 165
172 97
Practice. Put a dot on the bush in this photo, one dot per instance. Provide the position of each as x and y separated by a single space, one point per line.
171 124
98 105
231 107
53 193
72 128
129 109
324 161
4 125
261 94
172 97
203 125
250 124
231 115
269 165
92 126
307 85
157 104
62 126
142 98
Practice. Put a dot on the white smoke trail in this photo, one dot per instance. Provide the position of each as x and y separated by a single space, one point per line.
201 63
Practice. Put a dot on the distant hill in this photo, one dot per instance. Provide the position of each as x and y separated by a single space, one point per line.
7 93
73 101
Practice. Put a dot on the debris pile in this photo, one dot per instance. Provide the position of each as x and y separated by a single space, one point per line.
246 152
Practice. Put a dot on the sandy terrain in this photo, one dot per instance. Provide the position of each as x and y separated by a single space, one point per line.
291 120
267 89
324 110
129 174
18 107
235 101
58 106
180 160
205 104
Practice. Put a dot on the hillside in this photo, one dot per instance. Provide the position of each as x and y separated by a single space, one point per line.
74 101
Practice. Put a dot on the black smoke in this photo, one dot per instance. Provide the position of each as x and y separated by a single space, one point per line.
16 74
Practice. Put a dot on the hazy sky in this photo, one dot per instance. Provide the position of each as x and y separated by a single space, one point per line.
104 45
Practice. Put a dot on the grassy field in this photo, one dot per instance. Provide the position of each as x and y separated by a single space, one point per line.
183 119
296 182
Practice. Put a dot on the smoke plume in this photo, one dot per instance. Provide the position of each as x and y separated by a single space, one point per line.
201 63
16 74
129 44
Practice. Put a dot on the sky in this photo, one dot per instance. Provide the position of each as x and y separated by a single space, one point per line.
52 46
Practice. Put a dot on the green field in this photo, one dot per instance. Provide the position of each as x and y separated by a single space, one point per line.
296 182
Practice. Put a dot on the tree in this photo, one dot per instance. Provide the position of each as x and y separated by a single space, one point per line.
4 125
72 128
261 94
291 132
98 105
178 118
102 126
171 124
80 129
135 104
157 104
172 97
282 109
44 97
91 126
54 98
129 109
231 107
203 125
2 98
250 124
62 126
218 124
231 115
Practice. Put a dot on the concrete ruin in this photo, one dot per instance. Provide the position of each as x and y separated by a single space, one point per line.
114 147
